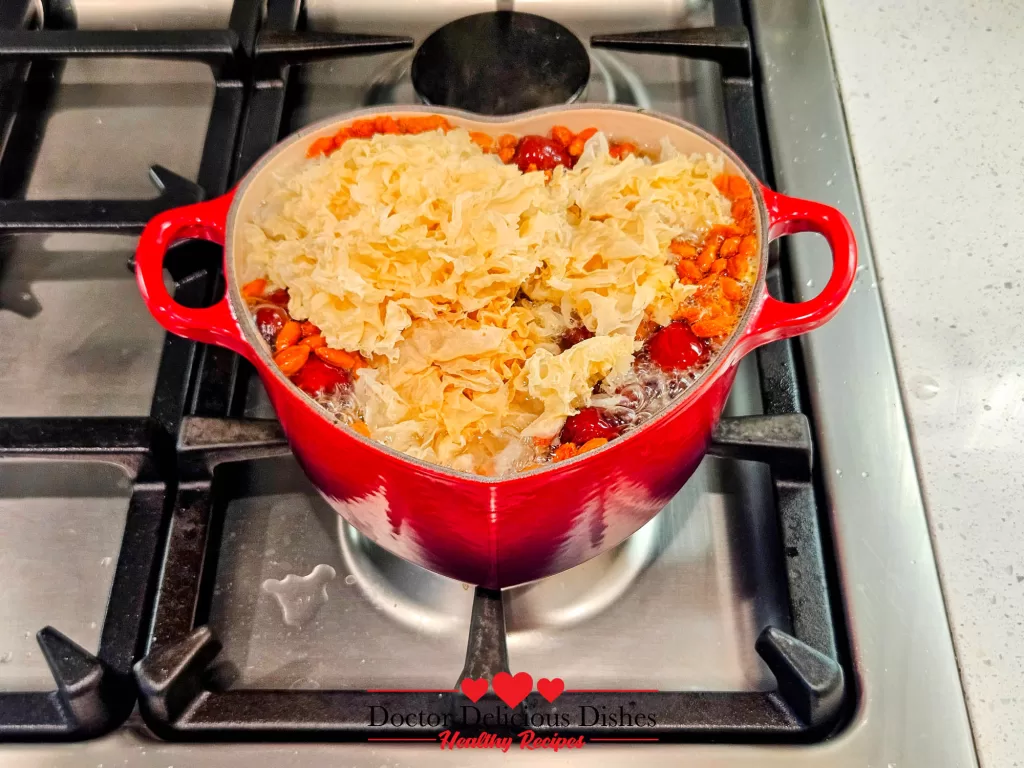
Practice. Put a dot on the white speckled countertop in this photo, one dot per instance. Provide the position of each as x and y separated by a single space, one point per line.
935 106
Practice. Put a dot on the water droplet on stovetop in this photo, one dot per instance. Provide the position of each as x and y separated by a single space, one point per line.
839 472
5 657
810 283
106 561
350 579
300 597
924 387
863 474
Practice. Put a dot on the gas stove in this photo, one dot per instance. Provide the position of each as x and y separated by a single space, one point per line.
178 594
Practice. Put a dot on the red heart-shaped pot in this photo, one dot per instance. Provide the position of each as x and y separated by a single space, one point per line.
497 532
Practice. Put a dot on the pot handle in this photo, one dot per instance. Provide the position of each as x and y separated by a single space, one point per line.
206 221
783 319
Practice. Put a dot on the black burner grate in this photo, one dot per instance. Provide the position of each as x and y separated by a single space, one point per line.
178 702
95 694
160 599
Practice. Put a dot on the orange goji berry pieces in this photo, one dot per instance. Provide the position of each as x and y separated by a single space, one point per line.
689 313
507 140
732 186
291 360
506 154
322 146
730 247
738 188
748 246
339 358
565 451
576 147
738 266
707 256
562 135
682 249
314 342
254 288
308 329
645 329
593 444
424 124
288 336
360 427
724 231
362 129
688 270
731 289
743 214
386 124
707 329
620 149
341 137
542 442
712 242
718 266
483 140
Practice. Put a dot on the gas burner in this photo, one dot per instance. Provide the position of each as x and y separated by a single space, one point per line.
500 63
428 602
412 596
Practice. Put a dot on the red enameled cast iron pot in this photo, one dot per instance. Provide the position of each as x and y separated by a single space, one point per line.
497 533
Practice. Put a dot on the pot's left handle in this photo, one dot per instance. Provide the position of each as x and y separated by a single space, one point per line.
206 221
782 319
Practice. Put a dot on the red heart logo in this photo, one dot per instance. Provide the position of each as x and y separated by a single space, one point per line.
512 690
474 689
550 689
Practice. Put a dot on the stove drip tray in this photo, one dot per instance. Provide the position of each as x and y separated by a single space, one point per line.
500 63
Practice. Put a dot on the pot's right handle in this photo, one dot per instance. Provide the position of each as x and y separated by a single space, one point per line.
207 221
782 319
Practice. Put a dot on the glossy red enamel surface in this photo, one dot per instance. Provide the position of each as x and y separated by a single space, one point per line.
501 533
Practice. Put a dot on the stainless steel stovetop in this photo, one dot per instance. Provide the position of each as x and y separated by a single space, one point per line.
678 606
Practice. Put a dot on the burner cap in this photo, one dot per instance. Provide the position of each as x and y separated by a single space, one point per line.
500 63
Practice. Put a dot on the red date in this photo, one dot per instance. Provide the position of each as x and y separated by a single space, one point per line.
317 377
676 348
588 424
575 335
269 321
279 297
537 153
